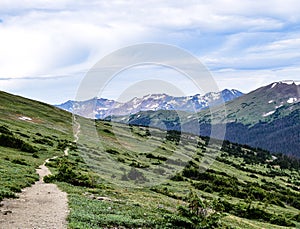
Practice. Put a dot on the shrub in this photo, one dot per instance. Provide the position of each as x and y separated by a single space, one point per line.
280 220
201 214
43 141
107 131
138 165
208 189
16 143
4 193
152 156
134 175
173 135
5 130
19 161
112 151
297 218
22 134
244 211
70 173
277 202
253 176
120 159
177 177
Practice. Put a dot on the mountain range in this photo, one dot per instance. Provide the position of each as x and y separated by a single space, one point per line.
100 108
267 117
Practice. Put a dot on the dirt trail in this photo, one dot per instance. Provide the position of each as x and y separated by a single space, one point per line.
39 206
76 129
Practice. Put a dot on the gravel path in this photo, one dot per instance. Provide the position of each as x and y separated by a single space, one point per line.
39 206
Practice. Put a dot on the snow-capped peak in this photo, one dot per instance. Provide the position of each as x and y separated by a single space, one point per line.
288 82
155 102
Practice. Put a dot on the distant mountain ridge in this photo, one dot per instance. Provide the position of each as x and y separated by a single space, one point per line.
101 108
268 117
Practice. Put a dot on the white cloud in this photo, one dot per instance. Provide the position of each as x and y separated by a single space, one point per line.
42 43
248 80
44 38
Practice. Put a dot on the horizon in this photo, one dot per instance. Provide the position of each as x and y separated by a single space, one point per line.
127 99
47 48
141 95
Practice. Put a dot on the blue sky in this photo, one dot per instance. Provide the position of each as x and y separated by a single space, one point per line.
46 47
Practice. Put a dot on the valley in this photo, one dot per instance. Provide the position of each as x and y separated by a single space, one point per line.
133 176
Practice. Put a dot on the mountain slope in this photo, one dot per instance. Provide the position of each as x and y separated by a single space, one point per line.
21 112
101 108
30 132
264 104
267 117
106 178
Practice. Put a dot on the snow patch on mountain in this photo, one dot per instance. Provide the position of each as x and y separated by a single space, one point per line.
102 108
269 113
290 82
291 100
273 85
24 118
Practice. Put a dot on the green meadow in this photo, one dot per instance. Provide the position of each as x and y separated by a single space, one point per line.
120 176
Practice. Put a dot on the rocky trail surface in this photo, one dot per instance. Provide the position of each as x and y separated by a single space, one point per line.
39 206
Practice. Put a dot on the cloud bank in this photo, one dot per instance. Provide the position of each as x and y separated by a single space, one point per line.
239 41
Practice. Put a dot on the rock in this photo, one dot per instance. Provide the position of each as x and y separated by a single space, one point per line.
103 198
6 212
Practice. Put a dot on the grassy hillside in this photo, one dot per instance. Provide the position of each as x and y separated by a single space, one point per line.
25 144
44 117
137 177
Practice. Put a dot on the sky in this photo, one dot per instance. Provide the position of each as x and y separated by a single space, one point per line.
47 47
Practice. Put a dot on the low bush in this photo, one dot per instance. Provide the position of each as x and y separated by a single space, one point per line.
297 218
4 193
201 214
5 130
158 157
112 151
19 161
250 212
68 172
134 175
177 177
43 141
16 143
